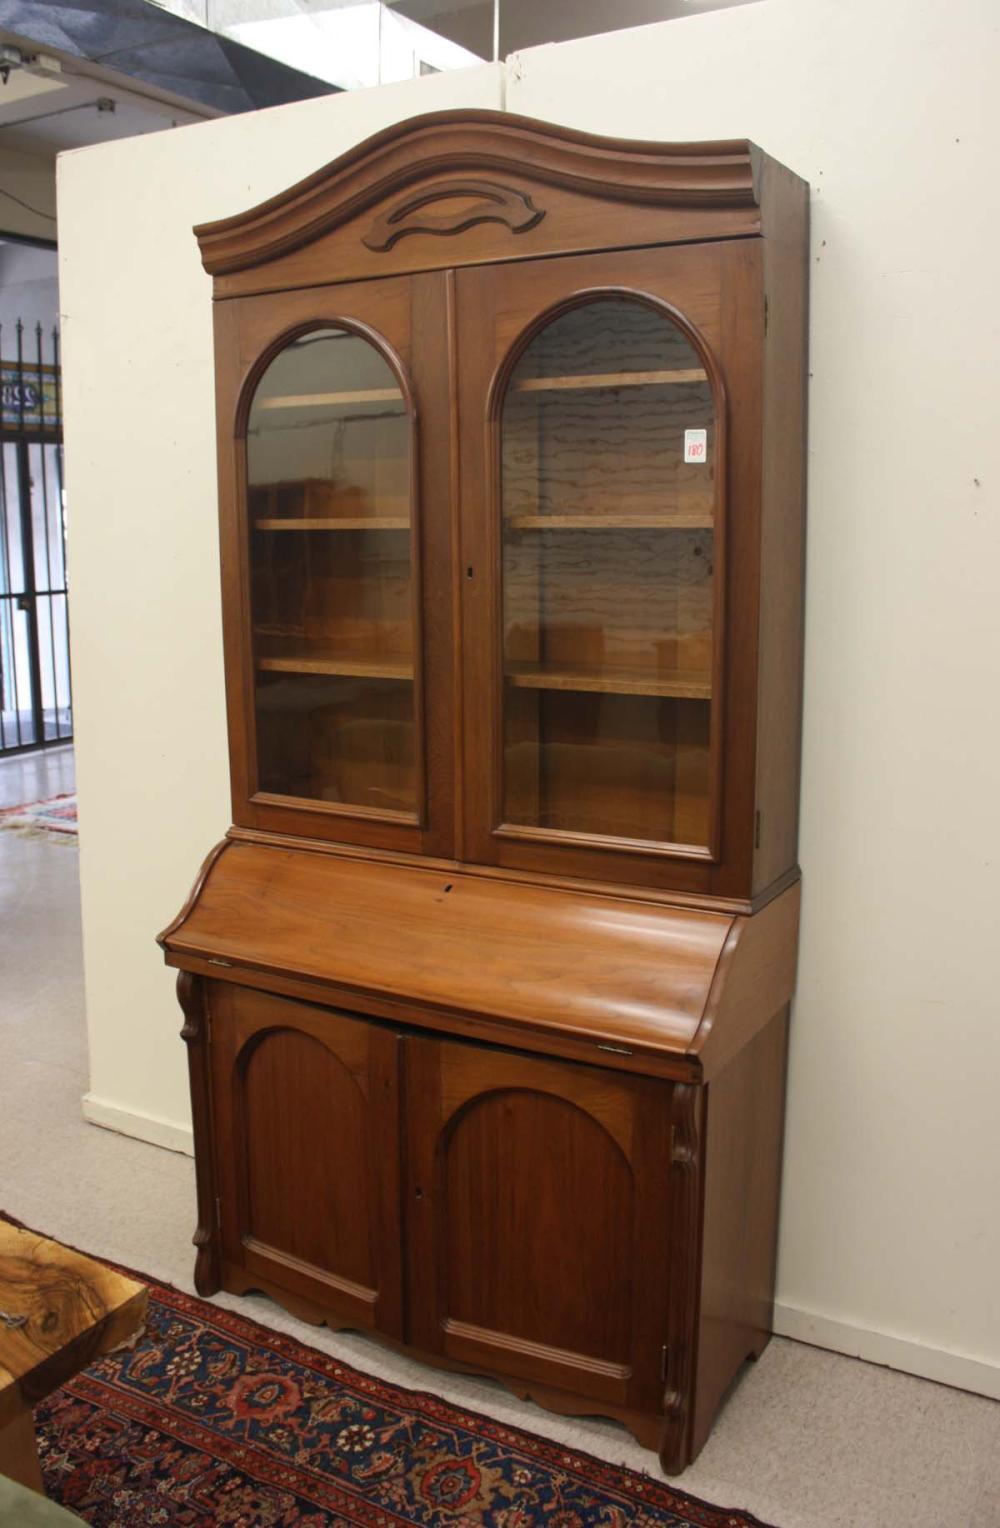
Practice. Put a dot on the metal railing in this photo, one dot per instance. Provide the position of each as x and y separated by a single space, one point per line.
35 696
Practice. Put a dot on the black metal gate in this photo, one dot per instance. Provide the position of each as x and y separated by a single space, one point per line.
35 702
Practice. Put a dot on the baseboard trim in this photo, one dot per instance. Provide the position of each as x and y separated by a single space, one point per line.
939 1364
142 1127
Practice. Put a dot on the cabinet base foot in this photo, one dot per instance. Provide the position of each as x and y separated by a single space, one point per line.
647 1429
206 1273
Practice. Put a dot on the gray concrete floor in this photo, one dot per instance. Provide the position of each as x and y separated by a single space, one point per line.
808 1439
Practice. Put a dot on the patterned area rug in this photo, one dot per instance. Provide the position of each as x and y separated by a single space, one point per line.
213 1419
56 815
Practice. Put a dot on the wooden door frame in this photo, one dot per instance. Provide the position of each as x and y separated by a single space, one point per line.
668 277
399 315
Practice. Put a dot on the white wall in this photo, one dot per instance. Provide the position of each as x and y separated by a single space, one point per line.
891 1208
143 543
890 1232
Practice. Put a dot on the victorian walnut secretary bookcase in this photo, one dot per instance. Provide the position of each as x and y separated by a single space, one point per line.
486 991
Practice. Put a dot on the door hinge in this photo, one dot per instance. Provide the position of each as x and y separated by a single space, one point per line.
218 1212
663 1363
766 313
756 830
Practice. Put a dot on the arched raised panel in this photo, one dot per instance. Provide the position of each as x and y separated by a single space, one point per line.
602 1104
538 1226
305 1123
330 506
610 465
522 1165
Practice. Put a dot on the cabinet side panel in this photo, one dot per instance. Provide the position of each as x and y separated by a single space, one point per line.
779 709
745 1119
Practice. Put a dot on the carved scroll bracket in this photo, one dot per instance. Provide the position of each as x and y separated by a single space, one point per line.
491 203
193 1000
685 1194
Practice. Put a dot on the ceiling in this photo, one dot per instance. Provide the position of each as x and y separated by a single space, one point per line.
46 111
93 70
101 69
531 23
85 71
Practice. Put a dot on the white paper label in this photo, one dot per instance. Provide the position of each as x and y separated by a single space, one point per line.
695 445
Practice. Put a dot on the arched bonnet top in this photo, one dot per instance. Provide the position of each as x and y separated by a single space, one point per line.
406 193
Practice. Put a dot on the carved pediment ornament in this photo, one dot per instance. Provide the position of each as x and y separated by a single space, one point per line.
495 204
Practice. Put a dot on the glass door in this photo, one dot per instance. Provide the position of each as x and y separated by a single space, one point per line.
608 471
597 529
336 528
331 577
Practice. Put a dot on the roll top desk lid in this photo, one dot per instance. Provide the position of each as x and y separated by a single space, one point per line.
627 975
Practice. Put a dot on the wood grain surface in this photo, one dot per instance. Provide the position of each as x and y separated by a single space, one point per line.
633 973
506 1155
75 1309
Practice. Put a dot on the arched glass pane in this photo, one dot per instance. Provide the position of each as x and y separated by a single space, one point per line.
328 471
608 461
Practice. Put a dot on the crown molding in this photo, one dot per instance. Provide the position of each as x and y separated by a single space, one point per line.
698 175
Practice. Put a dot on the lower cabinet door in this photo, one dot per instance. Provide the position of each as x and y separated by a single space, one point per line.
537 1211
306 1120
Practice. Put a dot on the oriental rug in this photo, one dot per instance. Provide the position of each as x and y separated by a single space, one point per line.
213 1419
55 815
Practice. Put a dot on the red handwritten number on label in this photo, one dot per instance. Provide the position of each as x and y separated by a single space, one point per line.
696 446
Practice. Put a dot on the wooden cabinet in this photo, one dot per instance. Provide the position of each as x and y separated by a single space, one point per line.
486 990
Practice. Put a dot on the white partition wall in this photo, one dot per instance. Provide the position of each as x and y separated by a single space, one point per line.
890 1230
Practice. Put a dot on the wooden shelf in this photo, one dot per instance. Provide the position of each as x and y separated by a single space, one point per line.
309 660
324 400
610 379
682 684
695 520
373 523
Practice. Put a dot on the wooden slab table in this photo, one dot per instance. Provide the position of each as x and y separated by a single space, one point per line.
59 1310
